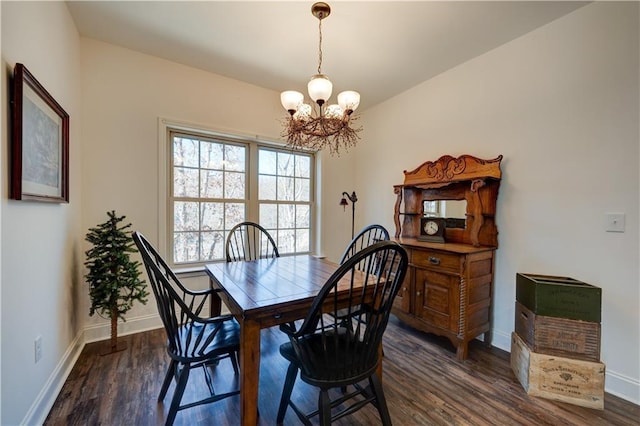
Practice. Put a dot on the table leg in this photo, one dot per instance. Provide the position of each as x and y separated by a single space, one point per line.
215 304
249 372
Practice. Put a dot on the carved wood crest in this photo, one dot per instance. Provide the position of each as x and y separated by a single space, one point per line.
448 169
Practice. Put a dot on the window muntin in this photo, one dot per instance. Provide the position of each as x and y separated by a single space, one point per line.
284 194
209 195
210 182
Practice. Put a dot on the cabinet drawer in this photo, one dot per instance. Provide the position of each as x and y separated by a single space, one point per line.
437 260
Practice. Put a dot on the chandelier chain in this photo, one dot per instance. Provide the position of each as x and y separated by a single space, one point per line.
320 46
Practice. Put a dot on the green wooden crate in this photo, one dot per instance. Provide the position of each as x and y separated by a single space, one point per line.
560 297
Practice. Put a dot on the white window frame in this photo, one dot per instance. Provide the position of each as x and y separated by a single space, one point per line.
165 225
278 202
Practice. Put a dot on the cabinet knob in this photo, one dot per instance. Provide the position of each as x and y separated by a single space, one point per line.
418 293
434 260
404 289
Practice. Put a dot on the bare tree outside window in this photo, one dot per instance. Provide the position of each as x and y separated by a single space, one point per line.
285 198
210 180
209 196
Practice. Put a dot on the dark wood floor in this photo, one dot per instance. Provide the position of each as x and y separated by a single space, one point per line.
424 384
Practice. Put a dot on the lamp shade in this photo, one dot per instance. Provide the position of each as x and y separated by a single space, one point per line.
319 88
303 113
290 99
333 111
349 100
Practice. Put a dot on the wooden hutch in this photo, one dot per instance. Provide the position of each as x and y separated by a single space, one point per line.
449 285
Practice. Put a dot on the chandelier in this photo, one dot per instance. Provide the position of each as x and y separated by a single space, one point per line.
320 126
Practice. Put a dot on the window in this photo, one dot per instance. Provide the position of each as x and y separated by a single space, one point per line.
211 190
284 193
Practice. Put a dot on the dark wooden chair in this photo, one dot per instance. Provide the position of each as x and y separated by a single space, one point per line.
343 350
369 235
250 241
193 338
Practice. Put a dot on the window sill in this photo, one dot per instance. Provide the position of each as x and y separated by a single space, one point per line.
191 271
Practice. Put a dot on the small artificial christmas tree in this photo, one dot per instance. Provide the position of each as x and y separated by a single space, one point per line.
113 278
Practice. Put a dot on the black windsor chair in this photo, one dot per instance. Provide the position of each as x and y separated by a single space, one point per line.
369 235
341 350
250 241
193 339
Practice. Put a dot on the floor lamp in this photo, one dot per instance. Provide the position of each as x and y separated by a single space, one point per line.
353 198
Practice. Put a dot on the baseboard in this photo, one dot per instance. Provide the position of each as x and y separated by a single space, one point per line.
622 386
501 340
40 408
97 332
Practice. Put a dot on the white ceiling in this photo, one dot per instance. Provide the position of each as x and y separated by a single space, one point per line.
379 48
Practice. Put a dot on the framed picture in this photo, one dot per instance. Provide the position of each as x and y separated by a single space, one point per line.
39 142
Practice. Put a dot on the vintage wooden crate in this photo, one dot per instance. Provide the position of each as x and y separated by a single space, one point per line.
558 336
560 297
567 380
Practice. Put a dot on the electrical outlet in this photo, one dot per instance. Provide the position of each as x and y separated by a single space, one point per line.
615 222
37 346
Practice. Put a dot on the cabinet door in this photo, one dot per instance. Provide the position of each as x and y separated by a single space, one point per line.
403 298
437 299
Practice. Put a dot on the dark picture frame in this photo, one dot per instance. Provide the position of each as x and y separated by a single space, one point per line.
39 142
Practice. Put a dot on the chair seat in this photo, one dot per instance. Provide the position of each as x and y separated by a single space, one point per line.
220 338
332 361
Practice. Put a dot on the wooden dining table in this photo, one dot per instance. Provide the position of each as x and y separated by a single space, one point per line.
264 293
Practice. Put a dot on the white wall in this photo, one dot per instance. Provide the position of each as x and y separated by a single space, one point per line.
124 95
337 176
40 241
561 105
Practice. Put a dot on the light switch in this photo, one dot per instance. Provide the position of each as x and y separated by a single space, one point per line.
615 222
